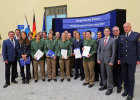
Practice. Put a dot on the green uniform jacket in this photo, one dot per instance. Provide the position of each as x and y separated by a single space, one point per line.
50 45
93 49
71 42
64 45
57 44
35 46
32 41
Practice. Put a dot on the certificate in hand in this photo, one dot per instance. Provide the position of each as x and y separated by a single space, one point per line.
77 53
86 51
64 53
38 54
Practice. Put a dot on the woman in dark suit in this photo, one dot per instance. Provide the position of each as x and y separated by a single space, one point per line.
78 43
23 50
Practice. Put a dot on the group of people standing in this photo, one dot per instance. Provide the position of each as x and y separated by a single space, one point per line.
111 59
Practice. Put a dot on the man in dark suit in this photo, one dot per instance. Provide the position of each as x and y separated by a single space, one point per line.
9 56
117 72
17 37
105 57
97 66
129 57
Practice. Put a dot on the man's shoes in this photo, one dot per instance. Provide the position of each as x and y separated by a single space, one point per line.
96 80
62 80
90 85
68 79
129 98
109 91
75 77
14 81
119 90
102 88
6 85
71 75
49 80
27 81
55 80
43 80
124 94
85 84
36 81
23 81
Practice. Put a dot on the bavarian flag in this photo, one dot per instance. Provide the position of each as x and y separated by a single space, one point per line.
26 26
34 26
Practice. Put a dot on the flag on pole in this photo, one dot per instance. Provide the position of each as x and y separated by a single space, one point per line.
44 23
34 26
26 26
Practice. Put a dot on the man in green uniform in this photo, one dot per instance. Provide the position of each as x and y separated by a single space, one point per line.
89 61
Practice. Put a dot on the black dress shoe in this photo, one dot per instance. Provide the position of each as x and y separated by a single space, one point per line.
71 75
55 80
90 85
124 94
62 80
102 88
23 81
85 84
43 80
119 90
36 81
49 80
68 79
129 98
27 81
75 77
96 80
14 81
109 91
6 85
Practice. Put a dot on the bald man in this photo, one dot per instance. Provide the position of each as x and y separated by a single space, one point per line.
129 57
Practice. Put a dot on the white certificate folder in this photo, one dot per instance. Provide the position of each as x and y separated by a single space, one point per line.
77 53
86 51
38 54
64 53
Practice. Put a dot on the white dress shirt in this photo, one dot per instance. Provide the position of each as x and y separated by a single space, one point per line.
128 33
13 42
107 39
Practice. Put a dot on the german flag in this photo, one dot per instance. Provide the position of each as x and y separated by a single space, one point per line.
34 26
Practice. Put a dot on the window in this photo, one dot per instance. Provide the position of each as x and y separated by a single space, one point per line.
54 12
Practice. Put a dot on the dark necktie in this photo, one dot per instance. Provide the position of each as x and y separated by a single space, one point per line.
127 35
13 43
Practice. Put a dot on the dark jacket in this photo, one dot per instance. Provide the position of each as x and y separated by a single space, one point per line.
22 50
76 44
129 48
9 51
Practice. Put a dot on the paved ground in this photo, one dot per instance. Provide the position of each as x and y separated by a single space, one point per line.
58 91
